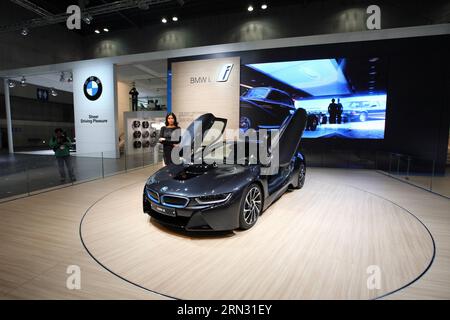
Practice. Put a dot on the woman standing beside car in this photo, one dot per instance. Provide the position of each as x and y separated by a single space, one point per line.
165 137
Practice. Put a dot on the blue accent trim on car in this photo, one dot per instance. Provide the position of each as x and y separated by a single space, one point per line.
150 197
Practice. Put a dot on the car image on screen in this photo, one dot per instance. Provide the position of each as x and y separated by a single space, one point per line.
264 106
344 97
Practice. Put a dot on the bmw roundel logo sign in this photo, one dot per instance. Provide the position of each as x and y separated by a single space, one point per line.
92 88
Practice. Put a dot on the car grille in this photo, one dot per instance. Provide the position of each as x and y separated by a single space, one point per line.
174 201
153 195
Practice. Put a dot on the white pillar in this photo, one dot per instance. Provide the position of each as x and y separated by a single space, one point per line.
8 117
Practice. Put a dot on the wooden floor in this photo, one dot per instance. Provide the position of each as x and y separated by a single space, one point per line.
312 243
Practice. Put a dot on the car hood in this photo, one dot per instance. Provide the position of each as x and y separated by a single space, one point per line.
199 180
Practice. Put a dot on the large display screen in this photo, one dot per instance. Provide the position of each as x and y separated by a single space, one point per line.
344 97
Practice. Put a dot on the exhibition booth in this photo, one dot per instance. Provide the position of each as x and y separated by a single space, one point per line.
333 102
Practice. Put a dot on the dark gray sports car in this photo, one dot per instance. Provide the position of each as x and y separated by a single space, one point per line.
217 196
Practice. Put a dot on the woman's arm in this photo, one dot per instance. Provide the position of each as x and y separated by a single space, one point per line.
162 138
178 130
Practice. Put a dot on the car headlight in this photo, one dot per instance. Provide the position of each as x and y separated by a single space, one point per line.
213 199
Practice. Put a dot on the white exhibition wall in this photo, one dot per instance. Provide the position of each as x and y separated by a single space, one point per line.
95 121
202 86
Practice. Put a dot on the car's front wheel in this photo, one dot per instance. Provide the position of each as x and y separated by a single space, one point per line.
251 206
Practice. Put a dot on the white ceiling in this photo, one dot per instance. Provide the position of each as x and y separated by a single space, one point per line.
50 80
150 78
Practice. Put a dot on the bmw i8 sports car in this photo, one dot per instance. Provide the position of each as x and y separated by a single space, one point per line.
210 195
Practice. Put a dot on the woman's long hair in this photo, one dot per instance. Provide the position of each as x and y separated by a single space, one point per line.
175 122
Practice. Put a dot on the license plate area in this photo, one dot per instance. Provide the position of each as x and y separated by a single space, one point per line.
163 210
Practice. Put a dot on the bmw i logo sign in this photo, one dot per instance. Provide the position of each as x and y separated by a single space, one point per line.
92 88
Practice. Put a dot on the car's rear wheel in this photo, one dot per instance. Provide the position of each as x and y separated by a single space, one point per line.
251 206
301 176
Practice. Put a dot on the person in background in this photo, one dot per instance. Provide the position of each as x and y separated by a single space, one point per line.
60 143
340 109
165 137
332 110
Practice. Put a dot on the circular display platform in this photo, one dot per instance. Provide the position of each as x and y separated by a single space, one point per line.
320 242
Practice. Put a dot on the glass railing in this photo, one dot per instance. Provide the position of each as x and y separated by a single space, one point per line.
340 158
24 174
417 171
423 173
27 174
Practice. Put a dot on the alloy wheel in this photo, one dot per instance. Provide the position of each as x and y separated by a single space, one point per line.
301 176
252 205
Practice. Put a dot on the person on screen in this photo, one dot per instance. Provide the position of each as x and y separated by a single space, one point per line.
340 109
165 137
332 110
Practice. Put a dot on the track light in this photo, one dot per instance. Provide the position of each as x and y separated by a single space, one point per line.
62 77
250 8
24 31
11 83
143 5
264 6
70 79
23 81
53 92
164 20
106 29
97 31
175 18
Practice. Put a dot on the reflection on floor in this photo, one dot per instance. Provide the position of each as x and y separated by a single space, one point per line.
438 183
38 152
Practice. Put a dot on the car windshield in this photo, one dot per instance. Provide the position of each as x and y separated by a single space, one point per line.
236 152
257 93
218 152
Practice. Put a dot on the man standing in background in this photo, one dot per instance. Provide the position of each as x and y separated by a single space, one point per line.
60 144
340 109
332 111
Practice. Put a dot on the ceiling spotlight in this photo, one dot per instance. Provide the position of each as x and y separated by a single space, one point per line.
88 18
24 31
106 29
373 72
373 59
11 83
97 31
175 18
70 79
250 8
264 6
53 92
23 81
164 20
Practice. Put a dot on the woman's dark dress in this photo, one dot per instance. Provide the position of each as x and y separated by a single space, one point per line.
168 143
